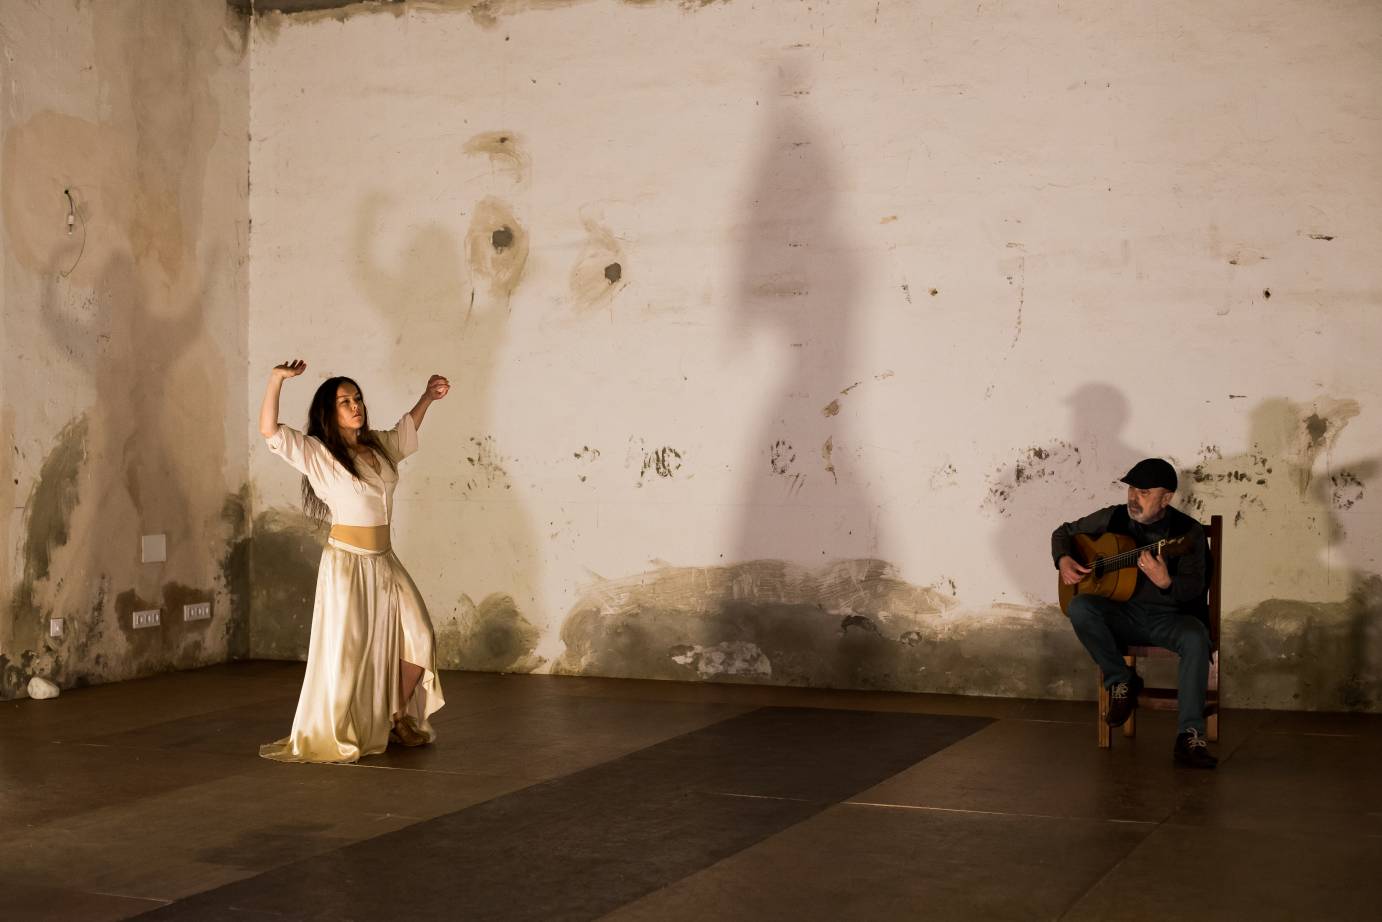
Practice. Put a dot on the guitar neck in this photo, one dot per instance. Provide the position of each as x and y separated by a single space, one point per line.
1127 558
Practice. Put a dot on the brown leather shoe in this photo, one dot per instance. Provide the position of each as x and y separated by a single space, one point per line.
405 734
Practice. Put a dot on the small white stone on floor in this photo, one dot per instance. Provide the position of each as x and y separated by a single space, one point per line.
40 687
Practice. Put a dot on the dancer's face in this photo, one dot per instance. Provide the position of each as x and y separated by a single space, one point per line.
350 408
1148 506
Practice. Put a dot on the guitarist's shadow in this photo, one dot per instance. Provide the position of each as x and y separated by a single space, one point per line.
1049 483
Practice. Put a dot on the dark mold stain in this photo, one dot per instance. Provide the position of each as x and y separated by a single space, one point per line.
502 239
490 637
1266 292
272 575
1316 426
54 497
613 272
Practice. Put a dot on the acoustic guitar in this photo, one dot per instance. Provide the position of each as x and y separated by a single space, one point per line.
1112 560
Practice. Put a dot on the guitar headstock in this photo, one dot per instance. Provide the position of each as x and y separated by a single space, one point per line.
1177 546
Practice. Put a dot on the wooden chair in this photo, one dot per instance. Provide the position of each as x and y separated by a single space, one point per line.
1164 699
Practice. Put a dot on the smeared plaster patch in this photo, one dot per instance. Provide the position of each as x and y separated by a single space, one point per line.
496 247
601 272
849 624
505 151
490 637
1055 460
1290 653
730 658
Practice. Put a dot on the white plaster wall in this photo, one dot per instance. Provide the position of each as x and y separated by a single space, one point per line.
1022 245
122 391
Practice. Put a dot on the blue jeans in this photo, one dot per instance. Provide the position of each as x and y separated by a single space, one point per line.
1106 628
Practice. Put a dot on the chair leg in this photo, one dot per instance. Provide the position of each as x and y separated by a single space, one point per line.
1105 734
1130 726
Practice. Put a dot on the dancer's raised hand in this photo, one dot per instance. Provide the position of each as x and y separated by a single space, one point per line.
289 369
437 387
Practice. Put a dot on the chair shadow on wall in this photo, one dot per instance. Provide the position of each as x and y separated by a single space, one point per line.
441 317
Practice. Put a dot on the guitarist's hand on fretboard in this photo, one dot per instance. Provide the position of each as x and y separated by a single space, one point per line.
1071 571
1154 568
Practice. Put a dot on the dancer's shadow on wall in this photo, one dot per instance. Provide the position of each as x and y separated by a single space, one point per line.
1301 609
445 315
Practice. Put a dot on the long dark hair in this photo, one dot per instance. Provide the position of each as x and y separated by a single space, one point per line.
322 426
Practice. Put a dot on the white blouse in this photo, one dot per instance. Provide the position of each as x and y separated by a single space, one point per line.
367 501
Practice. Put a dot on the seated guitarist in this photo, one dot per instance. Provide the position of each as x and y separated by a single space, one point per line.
1164 610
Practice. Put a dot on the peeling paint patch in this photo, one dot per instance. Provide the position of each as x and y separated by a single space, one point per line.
1346 490
732 658
586 457
490 637
832 408
827 452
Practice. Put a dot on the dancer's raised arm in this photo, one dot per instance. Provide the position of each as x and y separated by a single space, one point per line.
268 411
437 388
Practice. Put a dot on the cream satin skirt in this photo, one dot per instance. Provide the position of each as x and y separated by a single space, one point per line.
368 616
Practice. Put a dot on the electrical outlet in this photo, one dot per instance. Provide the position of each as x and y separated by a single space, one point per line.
146 618
54 627
197 611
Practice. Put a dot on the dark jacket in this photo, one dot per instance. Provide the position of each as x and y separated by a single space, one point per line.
1188 572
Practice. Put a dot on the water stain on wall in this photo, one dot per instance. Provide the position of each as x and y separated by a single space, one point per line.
490 637
505 152
601 272
48 512
271 14
849 624
282 552
496 247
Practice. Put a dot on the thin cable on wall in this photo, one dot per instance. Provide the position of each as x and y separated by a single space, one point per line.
73 216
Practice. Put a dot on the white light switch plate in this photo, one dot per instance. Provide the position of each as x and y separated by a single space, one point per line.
147 618
154 549
197 611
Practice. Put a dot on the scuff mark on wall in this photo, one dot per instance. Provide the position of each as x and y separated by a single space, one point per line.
1055 460
664 462
490 637
486 467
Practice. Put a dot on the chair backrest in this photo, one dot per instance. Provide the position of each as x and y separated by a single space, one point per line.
1214 564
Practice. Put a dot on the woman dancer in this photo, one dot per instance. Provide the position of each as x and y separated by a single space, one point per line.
371 664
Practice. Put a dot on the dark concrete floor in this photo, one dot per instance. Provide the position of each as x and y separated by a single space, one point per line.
149 796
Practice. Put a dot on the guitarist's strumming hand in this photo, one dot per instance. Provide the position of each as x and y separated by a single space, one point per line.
1154 568
1071 571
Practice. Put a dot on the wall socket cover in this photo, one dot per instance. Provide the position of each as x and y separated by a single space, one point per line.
54 627
196 611
148 618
